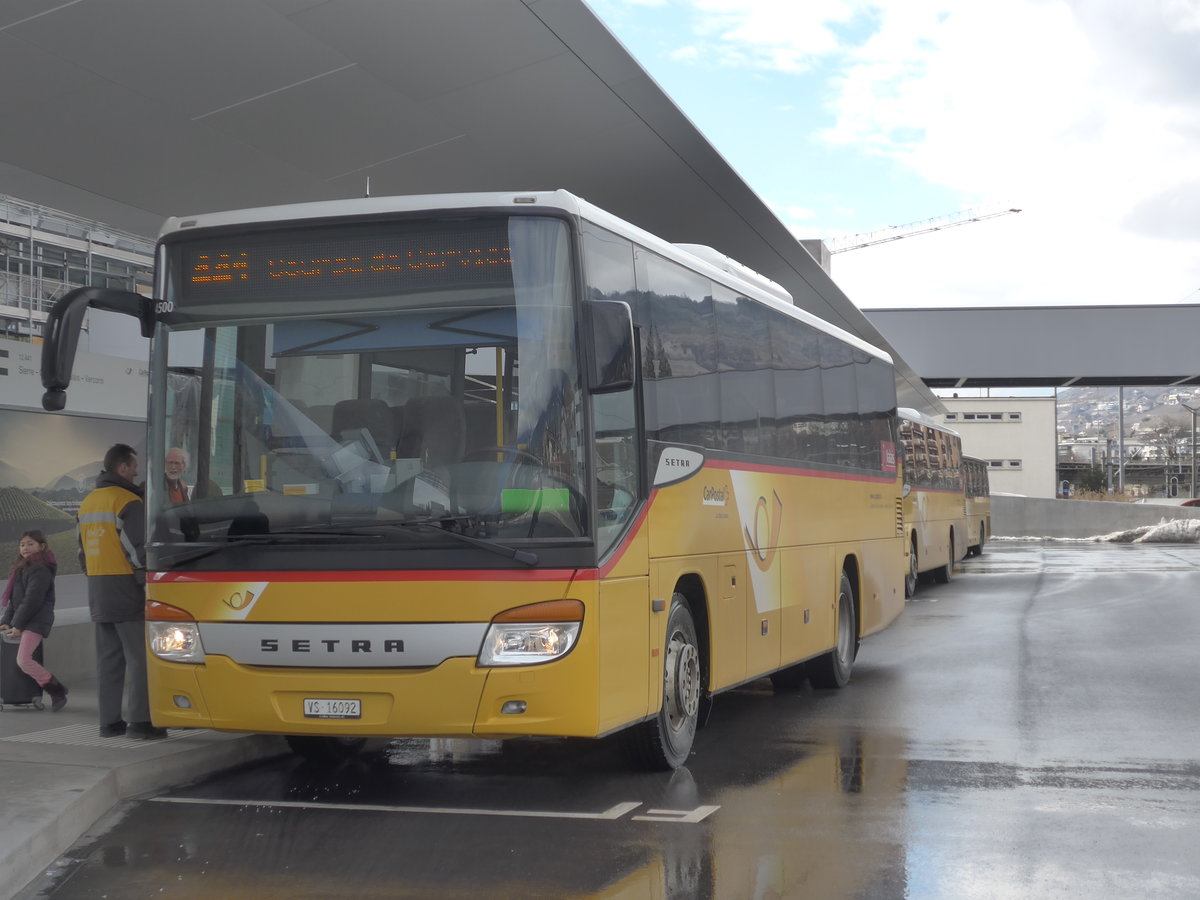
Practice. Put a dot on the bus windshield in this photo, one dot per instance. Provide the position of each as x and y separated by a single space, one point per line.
348 384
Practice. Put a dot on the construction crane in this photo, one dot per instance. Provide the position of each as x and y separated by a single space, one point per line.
896 232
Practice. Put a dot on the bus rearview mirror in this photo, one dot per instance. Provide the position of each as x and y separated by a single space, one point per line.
611 363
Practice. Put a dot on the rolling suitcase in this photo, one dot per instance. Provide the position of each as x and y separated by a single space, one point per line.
17 688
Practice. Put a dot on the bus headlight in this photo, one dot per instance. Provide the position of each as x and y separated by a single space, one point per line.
172 633
176 641
527 635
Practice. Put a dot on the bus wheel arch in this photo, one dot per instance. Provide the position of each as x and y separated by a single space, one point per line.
664 741
691 588
850 570
912 577
832 669
943 573
977 550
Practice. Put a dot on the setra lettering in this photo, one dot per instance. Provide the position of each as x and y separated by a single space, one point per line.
332 645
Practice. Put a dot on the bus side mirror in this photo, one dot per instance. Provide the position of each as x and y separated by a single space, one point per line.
611 363
60 339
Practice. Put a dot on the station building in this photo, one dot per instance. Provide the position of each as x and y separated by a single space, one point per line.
1015 436
44 253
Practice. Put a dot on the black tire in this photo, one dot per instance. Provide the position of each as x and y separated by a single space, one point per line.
664 742
982 539
832 670
912 578
943 574
325 750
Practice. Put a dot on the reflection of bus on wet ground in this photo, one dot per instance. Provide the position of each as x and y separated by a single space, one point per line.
800 830
496 465
935 503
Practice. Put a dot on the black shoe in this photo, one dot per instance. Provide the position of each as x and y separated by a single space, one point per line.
146 731
112 729
58 693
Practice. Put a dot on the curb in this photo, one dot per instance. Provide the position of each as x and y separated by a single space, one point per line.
69 812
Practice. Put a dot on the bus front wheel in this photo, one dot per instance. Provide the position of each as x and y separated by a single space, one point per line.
833 669
665 741
325 750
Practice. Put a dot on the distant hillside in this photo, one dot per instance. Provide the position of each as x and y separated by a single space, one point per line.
81 478
11 476
20 511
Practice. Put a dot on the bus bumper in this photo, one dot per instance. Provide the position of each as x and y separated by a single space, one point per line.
454 699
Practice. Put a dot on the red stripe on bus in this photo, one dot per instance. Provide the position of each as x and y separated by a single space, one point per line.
882 478
381 575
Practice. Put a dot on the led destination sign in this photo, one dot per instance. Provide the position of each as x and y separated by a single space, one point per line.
346 261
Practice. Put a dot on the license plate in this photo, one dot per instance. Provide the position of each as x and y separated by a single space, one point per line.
324 708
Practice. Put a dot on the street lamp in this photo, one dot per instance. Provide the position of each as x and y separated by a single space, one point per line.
1193 410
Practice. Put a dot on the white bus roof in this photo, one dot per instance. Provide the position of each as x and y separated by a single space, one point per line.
913 415
704 259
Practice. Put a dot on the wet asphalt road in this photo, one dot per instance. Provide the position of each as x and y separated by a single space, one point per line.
1029 730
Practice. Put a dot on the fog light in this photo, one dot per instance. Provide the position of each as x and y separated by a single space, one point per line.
182 702
512 708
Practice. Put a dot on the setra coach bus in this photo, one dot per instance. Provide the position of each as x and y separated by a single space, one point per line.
935 499
495 465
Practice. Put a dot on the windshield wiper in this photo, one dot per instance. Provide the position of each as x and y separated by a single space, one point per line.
524 557
438 523
273 537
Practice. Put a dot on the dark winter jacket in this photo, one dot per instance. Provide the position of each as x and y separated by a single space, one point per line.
112 535
31 606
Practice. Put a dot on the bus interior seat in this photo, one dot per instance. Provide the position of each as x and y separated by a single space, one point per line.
480 419
370 413
321 415
434 429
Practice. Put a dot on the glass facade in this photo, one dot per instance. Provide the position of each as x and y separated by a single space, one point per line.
44 253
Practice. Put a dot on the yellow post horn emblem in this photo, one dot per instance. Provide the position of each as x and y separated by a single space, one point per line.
768 520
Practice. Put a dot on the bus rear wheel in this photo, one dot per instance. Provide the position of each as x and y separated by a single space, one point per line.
325 750
911 579
665 741
943 574
977 550
833 669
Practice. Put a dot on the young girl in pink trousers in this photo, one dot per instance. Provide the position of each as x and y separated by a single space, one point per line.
28 610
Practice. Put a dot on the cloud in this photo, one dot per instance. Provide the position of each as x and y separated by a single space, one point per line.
1081 113
777 35
1170 214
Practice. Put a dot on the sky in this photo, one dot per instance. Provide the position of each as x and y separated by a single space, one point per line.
848 117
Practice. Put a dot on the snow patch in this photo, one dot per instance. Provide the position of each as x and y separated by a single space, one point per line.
1167 531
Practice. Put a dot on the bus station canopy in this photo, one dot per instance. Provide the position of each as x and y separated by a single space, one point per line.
129 111
1052 346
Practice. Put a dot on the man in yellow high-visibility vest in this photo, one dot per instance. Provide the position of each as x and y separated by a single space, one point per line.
112 533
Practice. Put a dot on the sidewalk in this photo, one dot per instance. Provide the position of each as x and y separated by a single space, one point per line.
58 776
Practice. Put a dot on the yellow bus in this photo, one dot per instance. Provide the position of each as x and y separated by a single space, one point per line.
979 504
492 465
935 506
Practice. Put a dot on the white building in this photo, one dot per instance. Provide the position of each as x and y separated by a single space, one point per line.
1015 435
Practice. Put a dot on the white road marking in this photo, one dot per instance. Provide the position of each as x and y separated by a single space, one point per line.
614 812
681 816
